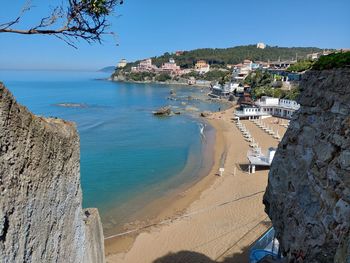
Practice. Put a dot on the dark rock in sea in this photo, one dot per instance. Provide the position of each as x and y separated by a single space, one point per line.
163 111
206 114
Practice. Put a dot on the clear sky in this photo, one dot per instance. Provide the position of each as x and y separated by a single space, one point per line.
146 28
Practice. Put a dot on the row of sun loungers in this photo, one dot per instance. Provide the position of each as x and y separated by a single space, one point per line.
285 125
267 129
246 134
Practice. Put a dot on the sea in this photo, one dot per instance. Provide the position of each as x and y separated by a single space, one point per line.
129 157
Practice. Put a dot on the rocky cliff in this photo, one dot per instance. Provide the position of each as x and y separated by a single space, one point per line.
41 215
308 193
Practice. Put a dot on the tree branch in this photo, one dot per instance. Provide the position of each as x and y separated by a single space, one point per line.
83 19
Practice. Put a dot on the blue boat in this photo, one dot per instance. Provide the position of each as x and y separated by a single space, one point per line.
266 249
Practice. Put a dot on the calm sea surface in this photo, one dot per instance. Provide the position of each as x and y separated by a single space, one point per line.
127 154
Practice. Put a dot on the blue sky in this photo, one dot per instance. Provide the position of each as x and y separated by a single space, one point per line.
151 27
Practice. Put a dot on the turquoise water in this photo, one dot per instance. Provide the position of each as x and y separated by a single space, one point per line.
127 154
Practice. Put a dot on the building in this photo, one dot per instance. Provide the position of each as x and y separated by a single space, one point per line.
268 106
257 158
281 64
317 55
278 107
145 66
122 63
237 87
313 56
241 71
250 113
261 45
170 67
202 67
219 91
191 81
200 64
179 53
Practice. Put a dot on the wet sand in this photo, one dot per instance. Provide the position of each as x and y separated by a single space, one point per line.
216 219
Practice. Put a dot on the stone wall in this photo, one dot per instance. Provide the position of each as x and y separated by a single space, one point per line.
308 193
41 215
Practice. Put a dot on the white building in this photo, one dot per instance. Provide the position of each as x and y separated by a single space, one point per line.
251 113
256 158
261 45
242 70
238 87
122 63
268 106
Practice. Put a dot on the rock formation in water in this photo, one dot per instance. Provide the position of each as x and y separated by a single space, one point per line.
163 111
308 194
41 215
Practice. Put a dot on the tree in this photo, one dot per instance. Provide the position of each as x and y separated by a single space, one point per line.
70 21
300 66
163 77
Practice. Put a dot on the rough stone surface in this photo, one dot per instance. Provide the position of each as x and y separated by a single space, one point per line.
41 215
308 193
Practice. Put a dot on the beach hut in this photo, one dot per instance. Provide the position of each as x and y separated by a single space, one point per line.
259 159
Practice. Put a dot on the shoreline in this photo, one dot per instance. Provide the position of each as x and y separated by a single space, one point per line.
227 209
163 83
174 203
143 208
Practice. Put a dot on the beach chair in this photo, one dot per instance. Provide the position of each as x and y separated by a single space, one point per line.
246 135
277 136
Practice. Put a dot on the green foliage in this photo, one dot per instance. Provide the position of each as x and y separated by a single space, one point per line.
97 7
258 78
300 66
163 77
292 94
258 92
215 75
275 92
194 74
140 76
335 60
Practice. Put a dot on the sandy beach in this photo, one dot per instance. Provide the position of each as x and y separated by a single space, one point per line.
215 220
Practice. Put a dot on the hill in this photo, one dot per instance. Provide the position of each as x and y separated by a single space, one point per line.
107 69
220 57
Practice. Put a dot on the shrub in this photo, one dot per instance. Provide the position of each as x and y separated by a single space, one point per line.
163 77
335 60
300 66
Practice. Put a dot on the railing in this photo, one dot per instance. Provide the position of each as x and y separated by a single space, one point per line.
291 106
250 113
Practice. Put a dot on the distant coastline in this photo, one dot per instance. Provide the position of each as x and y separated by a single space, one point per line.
168 82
